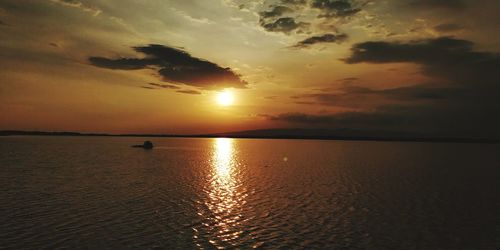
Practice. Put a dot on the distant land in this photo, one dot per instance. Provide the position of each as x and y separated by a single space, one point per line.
285 133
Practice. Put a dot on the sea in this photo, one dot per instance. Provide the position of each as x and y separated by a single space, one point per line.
86 192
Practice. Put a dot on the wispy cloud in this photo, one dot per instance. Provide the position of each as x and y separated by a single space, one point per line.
190 92
80 5
325 38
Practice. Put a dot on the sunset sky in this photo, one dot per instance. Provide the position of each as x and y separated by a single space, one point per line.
132 66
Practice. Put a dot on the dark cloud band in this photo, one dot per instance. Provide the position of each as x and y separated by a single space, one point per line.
326 38
283 24
447 58
445 4
175 65
335 8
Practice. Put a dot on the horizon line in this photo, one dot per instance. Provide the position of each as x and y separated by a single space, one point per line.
431 139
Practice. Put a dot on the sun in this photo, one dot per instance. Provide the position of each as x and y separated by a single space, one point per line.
225 98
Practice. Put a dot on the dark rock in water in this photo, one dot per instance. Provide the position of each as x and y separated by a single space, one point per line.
146 145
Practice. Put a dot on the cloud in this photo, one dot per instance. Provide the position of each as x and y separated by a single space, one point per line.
340 120
122 63
449 59
302 118
294 2
302 16
191 92
448 27
413 93
348 79
422 51
326 38
163 86
356 97
80 5
175 65
439 120
277 11
335 8
460 99
445 4
282 24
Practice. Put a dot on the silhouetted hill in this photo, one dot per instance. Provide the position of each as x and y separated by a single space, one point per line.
314 133
347 134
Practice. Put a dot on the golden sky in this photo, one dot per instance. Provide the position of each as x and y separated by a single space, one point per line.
129 66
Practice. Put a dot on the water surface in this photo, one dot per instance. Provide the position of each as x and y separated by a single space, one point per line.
99 193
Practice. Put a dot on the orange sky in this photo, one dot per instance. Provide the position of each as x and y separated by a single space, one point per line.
157 66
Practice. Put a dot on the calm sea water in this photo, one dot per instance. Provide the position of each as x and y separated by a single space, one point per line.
99 193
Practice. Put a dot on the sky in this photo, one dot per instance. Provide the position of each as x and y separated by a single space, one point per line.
150 66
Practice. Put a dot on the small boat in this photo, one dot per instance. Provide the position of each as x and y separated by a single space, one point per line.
145 145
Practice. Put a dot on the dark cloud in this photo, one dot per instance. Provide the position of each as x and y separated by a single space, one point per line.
335 8
422 51
191 92
348 79
450 59
460 99
175 65
70 1
303 118
446 4
275 19
448 27
283 24
341 120
362 97
122 63
294 2
413 93
326 38
440 120
277 11
410 93
163 86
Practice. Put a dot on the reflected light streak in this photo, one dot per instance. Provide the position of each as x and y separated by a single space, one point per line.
225 201
221 210
223 159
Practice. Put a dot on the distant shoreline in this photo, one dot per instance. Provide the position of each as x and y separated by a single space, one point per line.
239 135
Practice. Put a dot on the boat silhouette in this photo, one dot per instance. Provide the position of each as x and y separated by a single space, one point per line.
145 145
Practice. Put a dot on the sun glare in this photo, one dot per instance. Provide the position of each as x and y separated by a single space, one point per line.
225 98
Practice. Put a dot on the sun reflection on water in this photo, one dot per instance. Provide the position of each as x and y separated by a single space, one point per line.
223 160
225 196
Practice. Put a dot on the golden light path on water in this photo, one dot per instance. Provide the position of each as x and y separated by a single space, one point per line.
225 197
